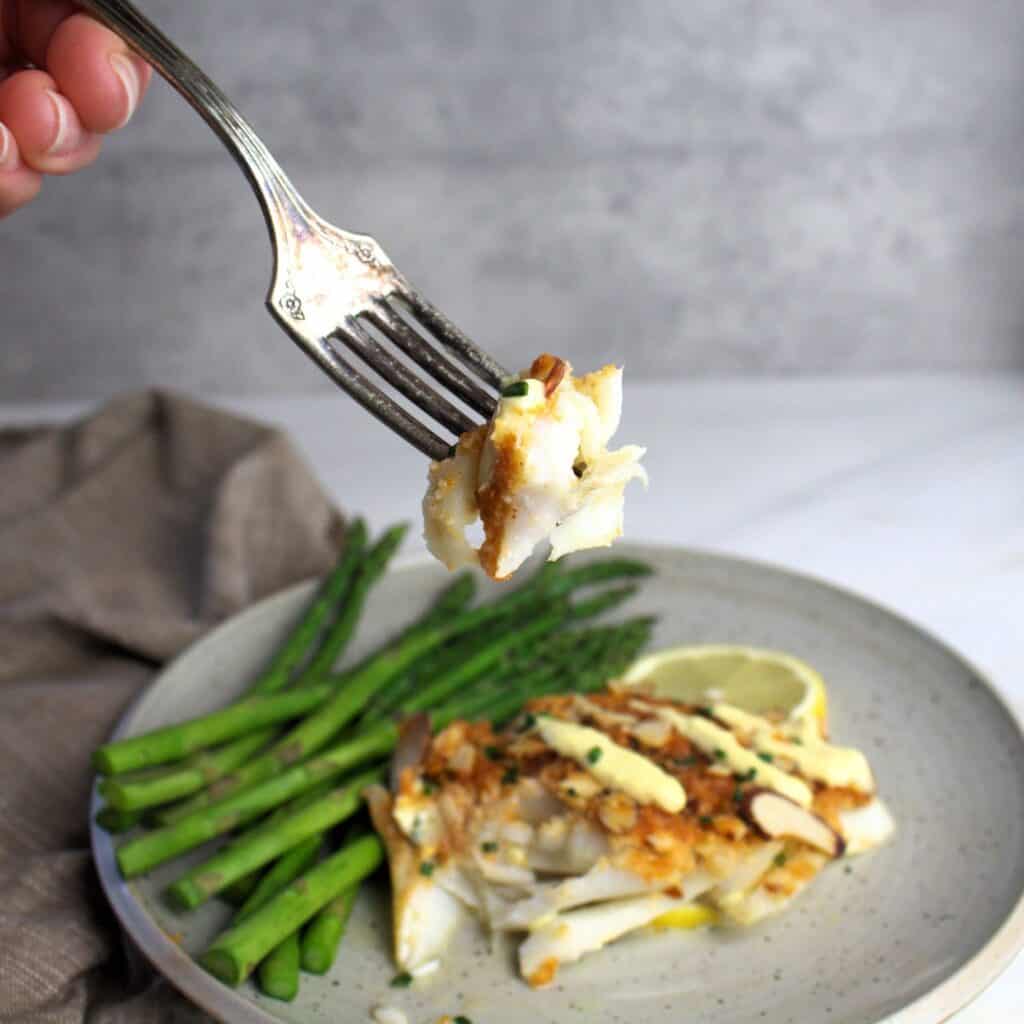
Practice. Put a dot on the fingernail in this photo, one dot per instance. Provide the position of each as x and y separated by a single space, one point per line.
68 132
124 68
8 150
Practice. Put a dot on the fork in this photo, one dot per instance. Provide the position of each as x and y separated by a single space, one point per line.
335 293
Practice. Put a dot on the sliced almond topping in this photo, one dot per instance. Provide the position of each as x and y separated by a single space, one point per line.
776 816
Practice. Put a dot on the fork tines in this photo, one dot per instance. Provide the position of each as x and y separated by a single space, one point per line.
392 320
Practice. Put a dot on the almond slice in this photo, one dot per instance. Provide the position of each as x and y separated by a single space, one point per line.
776 815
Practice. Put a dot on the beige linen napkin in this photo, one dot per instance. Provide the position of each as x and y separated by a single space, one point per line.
123 537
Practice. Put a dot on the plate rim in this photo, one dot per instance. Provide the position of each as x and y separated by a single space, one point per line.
936 1006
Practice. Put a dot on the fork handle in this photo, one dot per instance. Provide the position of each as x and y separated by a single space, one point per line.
275 192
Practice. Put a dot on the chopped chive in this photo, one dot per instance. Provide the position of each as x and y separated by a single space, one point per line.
705 820
428 786
461 1020
510 777
516 389
737 795
767 758
426 868
403 980
685 762
489 847
571 791
705 710
529 721
747 776
492 753
719 753
594 755
780 860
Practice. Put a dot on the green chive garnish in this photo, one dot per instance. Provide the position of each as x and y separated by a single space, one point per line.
780 860
492 753
489 847
516 389
403 980
426 868
594 755
510 777
719 753
705 821
767 758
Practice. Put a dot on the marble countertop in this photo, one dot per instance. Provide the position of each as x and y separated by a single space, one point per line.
906 488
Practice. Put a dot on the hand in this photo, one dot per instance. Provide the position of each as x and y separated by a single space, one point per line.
65 80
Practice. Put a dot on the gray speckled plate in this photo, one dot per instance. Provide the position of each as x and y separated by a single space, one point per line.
909 933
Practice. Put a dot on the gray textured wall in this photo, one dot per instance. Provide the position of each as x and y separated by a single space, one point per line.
761 186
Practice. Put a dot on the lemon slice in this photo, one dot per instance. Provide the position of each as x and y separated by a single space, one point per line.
687 918
751 678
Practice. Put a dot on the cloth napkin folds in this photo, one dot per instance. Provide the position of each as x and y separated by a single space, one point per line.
123 537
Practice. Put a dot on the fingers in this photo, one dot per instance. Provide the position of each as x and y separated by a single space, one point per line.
18 184
95 71
49 134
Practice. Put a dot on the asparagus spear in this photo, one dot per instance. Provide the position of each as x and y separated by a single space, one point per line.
322 937
279 982
341 631
234 954
278 972
174 742
239 891
264 845
288 867
150 789
296 647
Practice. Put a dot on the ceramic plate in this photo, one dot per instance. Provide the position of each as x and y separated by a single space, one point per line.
910 932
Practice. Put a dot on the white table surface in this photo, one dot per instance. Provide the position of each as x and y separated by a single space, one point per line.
909 489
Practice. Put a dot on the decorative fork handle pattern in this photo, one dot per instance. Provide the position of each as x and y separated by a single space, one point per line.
277 196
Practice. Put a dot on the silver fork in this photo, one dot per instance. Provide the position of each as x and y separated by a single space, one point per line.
333 290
